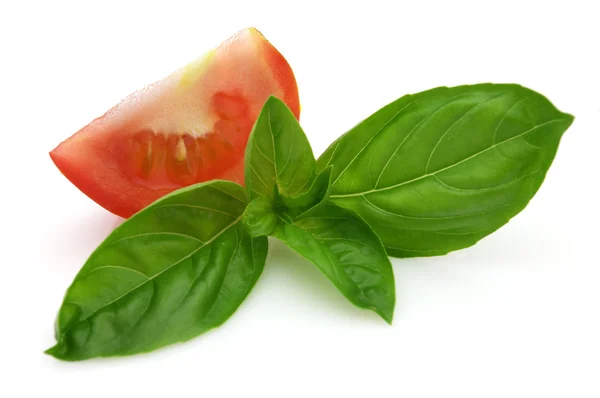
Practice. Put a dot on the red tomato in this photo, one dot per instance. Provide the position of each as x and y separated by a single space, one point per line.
190 127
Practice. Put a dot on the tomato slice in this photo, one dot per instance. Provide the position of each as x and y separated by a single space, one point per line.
190 127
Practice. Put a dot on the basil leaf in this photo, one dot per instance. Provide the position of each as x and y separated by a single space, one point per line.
259 217
176 269
316 193
348 252
439 170
263 215
278 154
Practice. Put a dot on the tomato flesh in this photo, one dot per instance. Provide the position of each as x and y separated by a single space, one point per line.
190 127
170 160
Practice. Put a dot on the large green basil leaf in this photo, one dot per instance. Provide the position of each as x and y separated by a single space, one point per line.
278 154
439 170
348 252
174 270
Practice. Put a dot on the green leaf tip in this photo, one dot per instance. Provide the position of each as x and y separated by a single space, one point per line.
387 316
277 154
58 351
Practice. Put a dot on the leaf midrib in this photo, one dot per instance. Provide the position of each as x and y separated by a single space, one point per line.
376 190
204 244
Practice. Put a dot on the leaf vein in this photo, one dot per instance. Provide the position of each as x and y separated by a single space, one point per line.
447 167
426 117
436 218
273 145
216 295
392 119
504 117
488 188
154 233
116 267
259 177
263 155
196 207
228 194
362 243
454 124
289 156
164 270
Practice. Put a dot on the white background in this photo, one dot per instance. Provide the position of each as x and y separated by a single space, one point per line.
517 315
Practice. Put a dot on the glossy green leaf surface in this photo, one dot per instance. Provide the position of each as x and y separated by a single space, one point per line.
278 154
176 269
316 193
437 171
260 218
348 252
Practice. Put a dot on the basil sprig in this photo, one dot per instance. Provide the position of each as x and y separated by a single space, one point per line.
280 175
427 174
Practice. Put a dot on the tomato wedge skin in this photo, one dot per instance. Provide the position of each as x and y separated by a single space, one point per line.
190 127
